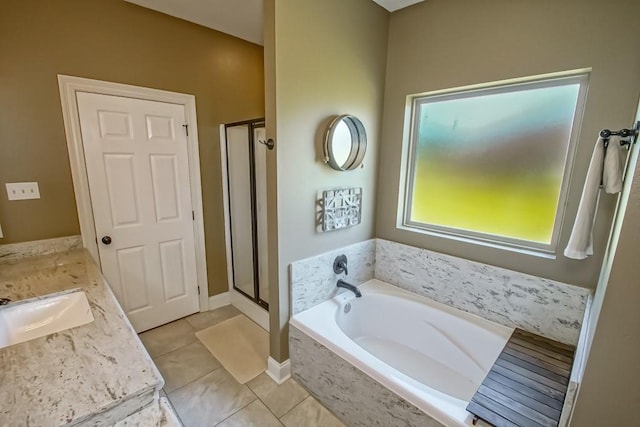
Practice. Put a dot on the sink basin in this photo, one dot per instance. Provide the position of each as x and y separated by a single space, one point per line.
20 322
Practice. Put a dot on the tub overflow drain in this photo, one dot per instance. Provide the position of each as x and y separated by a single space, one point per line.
347 308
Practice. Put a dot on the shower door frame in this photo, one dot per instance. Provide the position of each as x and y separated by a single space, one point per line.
252 125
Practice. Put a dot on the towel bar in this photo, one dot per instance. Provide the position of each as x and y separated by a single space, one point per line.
633 132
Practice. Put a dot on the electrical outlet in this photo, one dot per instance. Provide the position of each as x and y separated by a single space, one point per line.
22 190
1 235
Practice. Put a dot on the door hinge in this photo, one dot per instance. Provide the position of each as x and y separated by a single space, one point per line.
186 128
193 215
198 289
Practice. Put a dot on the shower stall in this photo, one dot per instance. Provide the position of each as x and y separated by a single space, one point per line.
245 163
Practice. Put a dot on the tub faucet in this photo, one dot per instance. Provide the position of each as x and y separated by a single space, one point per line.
340 265
4 301
342 284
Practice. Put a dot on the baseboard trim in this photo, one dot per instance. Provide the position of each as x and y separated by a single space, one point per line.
219 300
250 309
279 372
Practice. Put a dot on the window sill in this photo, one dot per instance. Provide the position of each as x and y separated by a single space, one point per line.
540 253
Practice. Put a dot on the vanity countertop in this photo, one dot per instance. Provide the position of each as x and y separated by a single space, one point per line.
90 373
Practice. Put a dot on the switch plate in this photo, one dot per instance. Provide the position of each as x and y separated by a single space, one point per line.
22 190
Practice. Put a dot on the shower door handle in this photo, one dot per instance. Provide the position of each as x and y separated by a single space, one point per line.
270 143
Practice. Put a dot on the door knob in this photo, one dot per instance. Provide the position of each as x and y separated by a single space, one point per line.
106 240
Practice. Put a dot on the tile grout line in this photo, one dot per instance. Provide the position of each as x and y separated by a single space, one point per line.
172 351
194 330
265 404
240 409
212 324
200 377
173 408
164 354
318 402
294 407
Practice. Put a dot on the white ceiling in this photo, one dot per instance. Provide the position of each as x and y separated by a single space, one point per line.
240 18
393 5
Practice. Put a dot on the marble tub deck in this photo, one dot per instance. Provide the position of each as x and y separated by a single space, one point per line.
98 373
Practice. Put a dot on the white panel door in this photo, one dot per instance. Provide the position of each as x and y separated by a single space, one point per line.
138 170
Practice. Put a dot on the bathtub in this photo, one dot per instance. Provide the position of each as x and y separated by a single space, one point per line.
427 353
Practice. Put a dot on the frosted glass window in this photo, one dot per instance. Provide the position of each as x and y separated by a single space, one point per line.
492 163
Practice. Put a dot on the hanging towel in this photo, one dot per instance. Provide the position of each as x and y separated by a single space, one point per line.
607 168
614 158
581 241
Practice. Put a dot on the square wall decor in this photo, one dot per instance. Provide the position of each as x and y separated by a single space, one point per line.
341 208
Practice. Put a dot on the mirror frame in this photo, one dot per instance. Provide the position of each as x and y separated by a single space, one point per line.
358 143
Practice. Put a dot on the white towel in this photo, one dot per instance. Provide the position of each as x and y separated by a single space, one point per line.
609 170
614 159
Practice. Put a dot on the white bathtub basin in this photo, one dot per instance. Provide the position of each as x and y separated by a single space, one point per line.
20 322
431 355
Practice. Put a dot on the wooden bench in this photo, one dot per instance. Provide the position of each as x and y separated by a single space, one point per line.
526 385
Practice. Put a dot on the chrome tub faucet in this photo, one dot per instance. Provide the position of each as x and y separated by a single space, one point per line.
342 284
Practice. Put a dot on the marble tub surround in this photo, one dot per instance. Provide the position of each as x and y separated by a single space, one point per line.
545 307
313 280
353 396
97 374
14 251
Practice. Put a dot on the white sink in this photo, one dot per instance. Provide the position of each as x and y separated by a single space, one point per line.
20 322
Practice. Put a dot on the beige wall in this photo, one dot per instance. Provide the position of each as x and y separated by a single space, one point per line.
277 298
609 394
330 59
441 44
115 41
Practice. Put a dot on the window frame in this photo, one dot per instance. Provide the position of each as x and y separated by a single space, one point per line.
410 143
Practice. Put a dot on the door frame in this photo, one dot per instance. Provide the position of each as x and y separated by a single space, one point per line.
69 86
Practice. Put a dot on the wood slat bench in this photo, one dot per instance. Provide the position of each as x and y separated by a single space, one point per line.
527 384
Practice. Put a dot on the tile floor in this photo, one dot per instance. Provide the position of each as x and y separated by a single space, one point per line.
204 394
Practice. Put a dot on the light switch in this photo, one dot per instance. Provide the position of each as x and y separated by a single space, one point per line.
22 190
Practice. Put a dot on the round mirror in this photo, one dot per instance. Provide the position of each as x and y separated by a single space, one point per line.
345 143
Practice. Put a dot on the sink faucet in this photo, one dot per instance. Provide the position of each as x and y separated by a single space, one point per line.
342 284
4 301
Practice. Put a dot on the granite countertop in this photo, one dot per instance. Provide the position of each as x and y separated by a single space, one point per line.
96 373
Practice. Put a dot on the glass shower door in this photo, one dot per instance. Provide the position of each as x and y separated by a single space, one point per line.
246 171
